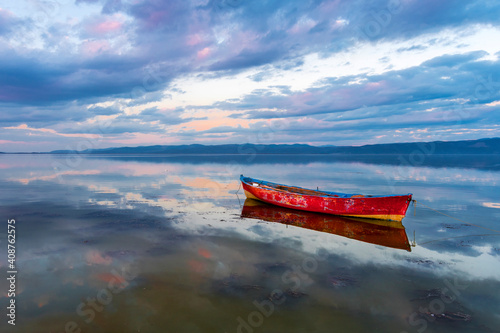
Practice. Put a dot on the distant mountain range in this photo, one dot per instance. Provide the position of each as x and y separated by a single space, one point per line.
481 146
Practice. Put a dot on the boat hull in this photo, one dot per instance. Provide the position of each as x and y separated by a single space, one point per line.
385 233
352 205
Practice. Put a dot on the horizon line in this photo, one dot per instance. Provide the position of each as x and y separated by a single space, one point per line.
74 151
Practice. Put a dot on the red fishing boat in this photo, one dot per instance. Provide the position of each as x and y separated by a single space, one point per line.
385 233
391 207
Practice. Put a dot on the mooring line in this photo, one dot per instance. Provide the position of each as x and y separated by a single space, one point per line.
238 195
475 225
464 236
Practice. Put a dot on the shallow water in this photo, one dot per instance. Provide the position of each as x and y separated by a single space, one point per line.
158 244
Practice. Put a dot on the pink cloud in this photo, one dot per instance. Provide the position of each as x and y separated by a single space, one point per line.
108 277
136 170
197 266
94 257
107 27
303 98
155 18
246 40
52 176
193 40
204 253
43 300
5 142
47 130
137 138
6 14
203 53
373 86
206 124
302 26
93 47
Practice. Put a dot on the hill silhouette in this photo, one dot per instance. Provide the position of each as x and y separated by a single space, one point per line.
481 146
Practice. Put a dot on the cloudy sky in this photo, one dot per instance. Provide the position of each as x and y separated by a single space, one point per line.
77 74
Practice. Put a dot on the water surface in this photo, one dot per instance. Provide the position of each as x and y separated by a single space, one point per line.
158 244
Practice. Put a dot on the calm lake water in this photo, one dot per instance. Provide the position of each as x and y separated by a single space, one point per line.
158 244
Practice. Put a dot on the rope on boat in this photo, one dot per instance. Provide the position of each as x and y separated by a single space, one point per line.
475 225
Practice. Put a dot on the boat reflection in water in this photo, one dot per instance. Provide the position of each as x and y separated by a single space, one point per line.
386 233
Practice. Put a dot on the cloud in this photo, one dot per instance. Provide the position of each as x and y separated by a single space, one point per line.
8 22
161 116
103 26
247 58
41 116
396 19
453 60
446 77
231 36
48 131
24 81
121 59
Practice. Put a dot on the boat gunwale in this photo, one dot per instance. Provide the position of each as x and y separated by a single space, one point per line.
317 193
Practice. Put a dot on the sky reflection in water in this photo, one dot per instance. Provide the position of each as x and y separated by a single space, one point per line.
163 244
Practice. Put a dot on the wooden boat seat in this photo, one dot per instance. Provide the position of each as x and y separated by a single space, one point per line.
305 191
